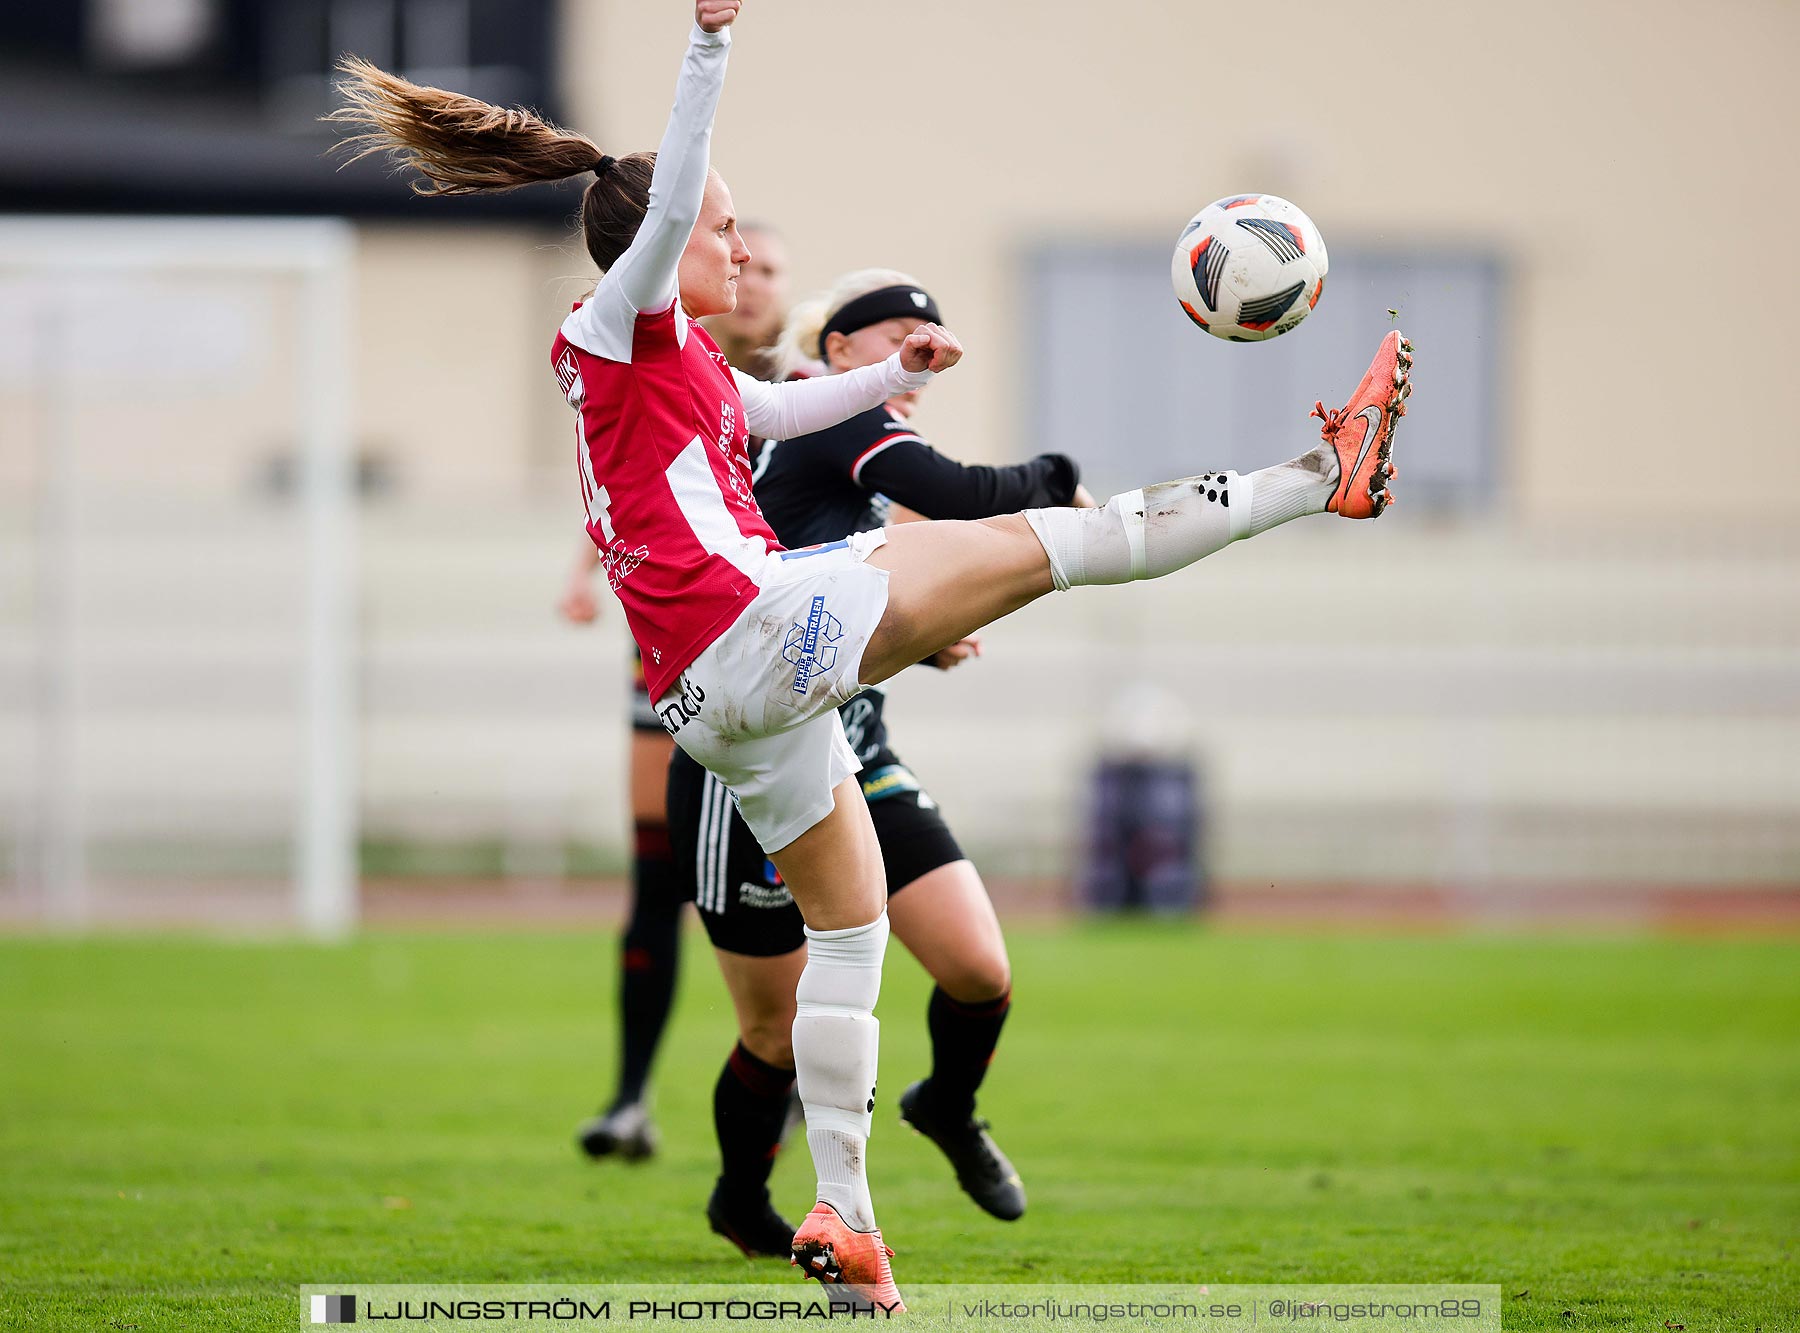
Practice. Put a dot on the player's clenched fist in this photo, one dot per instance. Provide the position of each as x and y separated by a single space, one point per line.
715 14
930 347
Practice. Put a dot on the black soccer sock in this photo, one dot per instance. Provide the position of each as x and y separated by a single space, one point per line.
750 1104
649 955
963 1037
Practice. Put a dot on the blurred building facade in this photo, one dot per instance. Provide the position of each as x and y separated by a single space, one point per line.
1584 668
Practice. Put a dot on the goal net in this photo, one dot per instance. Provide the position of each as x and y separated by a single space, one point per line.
177 560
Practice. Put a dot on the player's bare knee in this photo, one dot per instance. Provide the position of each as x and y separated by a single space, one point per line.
980 979
771 1039
1019 556
1013 527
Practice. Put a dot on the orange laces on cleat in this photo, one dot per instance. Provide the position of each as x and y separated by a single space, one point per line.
1334 420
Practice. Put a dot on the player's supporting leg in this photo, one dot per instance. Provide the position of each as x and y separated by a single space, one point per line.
649 958
949 579
834 871
750 1101
946 921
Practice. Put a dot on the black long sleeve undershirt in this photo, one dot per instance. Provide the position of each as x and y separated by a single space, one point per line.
914 474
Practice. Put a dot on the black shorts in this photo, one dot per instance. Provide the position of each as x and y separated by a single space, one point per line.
742 901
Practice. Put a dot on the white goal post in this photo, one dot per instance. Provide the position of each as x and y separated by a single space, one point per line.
47 255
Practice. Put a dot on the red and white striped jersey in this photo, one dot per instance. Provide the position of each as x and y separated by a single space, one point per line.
664 420
665 477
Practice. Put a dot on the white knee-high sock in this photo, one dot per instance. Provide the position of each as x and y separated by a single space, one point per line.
1146 534
836 1038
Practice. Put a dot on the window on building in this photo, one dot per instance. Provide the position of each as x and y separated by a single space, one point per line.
1122 381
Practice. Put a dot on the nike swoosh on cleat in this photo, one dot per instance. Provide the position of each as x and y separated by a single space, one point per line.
1372 414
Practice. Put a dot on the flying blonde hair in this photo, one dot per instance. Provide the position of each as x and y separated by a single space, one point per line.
798 345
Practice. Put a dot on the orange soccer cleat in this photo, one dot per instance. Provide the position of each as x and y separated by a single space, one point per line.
1379 402
830 1249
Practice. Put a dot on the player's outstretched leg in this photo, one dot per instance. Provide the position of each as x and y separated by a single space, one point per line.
1155 531
946 580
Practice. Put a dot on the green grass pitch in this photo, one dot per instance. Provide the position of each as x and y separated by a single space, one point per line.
1609 1128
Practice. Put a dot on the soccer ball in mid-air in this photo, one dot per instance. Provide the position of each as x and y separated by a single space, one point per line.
1249 267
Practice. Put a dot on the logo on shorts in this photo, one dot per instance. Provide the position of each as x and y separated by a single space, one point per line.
812 647
764 897
890 780
683 708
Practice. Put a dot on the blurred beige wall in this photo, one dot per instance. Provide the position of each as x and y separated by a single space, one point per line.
454 355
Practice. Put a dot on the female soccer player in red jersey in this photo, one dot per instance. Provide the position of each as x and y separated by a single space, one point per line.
650 945
750 649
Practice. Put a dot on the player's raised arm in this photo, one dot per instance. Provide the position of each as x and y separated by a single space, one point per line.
800 407
645 276
462 145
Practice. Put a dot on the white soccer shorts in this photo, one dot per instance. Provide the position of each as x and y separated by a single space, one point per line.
758 708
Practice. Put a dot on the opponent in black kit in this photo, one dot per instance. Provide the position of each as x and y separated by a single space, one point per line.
818 489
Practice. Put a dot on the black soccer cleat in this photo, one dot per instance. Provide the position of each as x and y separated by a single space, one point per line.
981 1168
755 1228
624 1132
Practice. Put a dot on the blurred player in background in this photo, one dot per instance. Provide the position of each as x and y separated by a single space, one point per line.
747 333
650 947
749 648
812 489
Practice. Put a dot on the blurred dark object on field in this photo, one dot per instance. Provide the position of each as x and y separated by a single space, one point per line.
1144 837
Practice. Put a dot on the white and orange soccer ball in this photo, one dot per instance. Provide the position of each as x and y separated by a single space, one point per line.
1249 267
